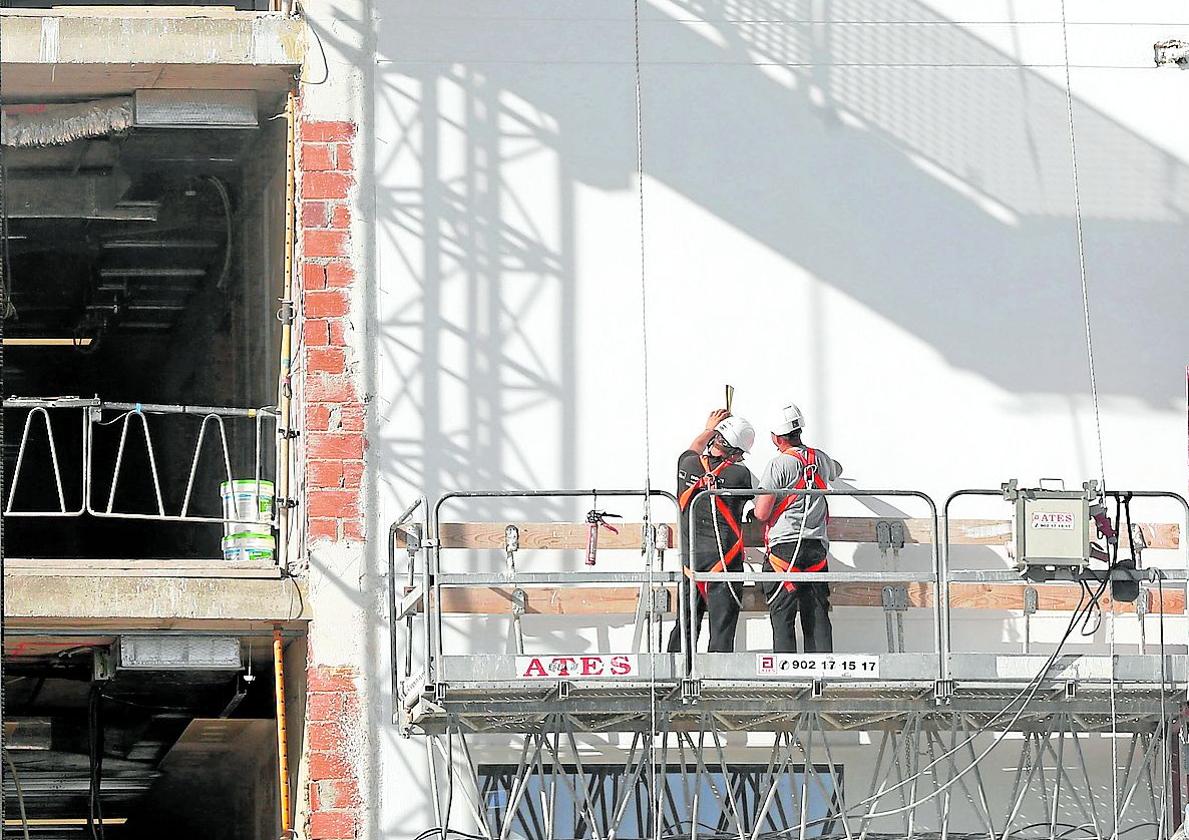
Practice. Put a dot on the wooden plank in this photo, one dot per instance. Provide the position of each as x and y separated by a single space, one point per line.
843 529
608 600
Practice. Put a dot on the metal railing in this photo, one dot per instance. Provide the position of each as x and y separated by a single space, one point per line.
936 576
101 477
1148 578
425 581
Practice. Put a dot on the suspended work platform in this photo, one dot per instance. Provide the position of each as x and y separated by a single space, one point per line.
628 733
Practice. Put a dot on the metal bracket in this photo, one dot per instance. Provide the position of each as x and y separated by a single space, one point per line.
287 313
103 665
1071 689
1031 600
818 689
286 503
895 598
438 690
943 690
691 690
413 538
563 690
511 539
411 602
661 600
1138 541
889 534
519 601
647 538
288 434
1011 490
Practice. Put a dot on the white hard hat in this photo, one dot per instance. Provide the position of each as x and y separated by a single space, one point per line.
791 420
737 432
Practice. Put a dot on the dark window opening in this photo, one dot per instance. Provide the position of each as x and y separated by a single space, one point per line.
598 793
146 267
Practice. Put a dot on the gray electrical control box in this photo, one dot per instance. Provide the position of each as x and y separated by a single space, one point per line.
1052 527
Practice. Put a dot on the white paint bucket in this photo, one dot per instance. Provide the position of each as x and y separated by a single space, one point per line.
249 546
248 503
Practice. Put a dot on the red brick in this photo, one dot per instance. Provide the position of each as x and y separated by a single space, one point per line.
329 766
339 275
340 793
316 333
316 157
327 131
324 474
313 214
313 277
340 217
315 796
324 678
324 705
324 243
341 504
323 388
325 737
317 417
352 417
332 825
325 185
326 359
338 334
345 159
328 304
322 529
353 530
352 473
331 445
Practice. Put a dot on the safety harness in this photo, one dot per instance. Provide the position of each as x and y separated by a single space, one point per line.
809 475
709 480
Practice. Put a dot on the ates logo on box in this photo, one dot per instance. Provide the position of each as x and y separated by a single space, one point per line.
1053 520
585 667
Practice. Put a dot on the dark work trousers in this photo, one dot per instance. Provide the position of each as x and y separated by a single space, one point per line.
719 602
811 600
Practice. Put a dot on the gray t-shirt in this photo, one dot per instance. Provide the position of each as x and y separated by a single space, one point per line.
782 473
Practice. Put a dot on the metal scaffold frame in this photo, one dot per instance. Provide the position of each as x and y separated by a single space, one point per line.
681 725
130 415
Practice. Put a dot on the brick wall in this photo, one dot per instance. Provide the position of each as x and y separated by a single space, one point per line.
333 445
332 722
334 412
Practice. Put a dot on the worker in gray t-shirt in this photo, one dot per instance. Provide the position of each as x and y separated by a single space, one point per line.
795 537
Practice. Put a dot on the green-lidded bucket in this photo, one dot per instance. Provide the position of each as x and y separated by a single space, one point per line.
248 503
249 546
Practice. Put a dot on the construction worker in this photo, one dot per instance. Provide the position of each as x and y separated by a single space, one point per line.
712 461
795 536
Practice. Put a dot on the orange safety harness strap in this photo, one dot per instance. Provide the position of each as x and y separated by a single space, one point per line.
708 480
784 568
808 465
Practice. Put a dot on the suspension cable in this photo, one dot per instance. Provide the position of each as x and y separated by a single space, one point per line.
1077 213
651 547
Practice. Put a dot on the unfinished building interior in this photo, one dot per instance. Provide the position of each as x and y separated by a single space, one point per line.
146 267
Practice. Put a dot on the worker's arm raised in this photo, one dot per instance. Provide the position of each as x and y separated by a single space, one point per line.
698 444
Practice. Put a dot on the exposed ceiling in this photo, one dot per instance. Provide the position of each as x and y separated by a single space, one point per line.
58 716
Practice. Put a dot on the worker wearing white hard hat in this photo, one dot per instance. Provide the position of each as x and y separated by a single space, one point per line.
795 539
712 461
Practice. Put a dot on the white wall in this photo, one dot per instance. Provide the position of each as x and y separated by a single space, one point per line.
872 217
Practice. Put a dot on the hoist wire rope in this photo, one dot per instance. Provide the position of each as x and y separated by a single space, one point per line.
650 547
1081 240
